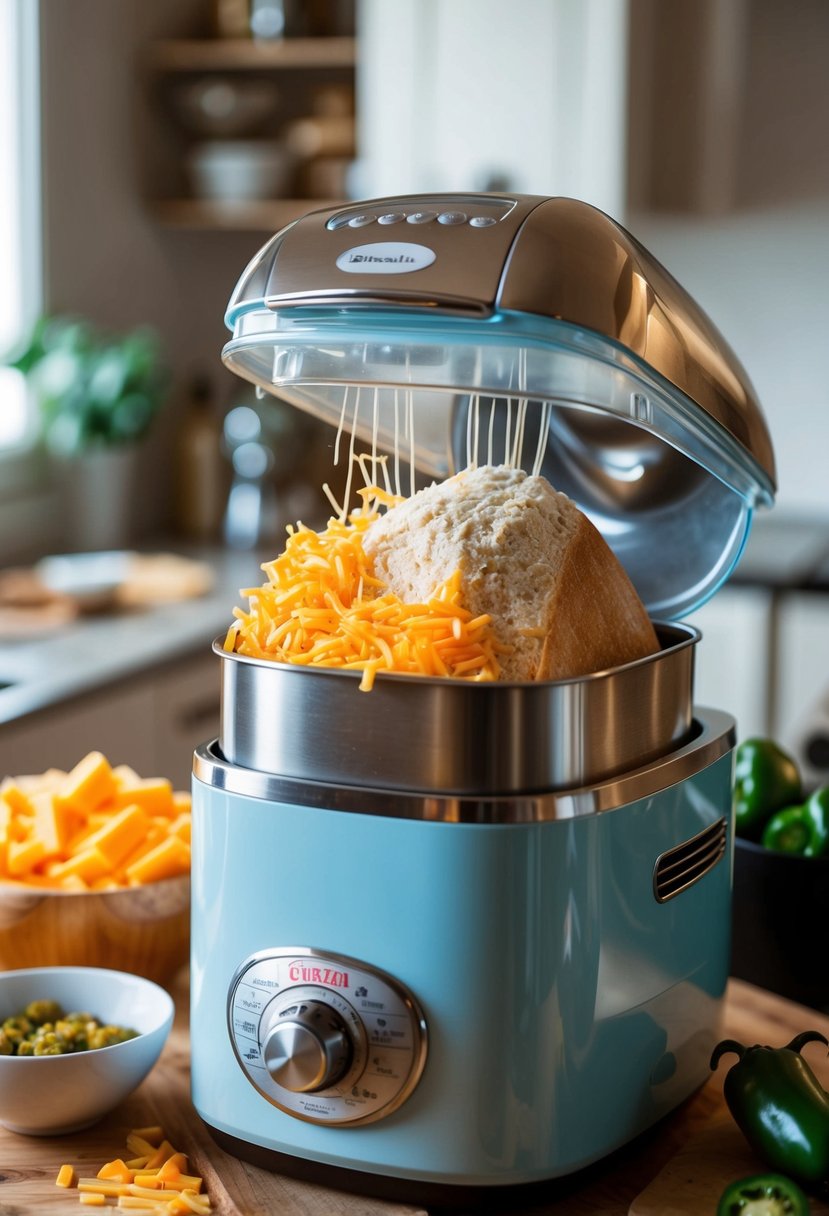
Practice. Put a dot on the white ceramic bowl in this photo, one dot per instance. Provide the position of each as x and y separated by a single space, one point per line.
89 578
51 1095
240 170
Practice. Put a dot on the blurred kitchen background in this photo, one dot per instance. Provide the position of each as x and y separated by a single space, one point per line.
148 148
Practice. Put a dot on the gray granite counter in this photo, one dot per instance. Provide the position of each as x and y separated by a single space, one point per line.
97 650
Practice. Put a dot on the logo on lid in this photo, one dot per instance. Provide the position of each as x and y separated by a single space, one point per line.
385 257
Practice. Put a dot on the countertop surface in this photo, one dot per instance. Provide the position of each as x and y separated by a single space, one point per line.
97 649
642 1179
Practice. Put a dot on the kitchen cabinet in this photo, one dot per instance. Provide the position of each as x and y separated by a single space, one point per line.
764 656
733 662
474 95
298 70
728 105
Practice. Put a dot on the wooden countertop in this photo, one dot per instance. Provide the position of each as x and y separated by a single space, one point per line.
29 1165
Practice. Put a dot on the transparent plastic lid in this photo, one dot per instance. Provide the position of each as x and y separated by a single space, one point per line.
672 492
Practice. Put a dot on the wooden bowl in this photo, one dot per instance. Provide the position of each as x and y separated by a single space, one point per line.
144 930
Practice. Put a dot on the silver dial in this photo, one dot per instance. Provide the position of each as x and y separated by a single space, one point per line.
323 1037
306 1047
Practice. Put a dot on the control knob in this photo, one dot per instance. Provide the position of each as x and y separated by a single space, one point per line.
306 1047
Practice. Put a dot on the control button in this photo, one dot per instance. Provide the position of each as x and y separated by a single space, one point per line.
392 217
452 217
339 221
307 1050
421 217
481 221
360 221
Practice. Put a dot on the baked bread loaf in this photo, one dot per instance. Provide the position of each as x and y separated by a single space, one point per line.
561 603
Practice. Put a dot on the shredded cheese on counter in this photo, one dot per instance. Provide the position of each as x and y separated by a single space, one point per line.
323 607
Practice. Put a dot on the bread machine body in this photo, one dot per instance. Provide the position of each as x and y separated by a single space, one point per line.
448 935
523 984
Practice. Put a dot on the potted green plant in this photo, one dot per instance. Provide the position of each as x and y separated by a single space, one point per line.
97 394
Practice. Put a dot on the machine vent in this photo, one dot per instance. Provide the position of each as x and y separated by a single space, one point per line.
685 864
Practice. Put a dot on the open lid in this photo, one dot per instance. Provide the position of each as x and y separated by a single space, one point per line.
458 329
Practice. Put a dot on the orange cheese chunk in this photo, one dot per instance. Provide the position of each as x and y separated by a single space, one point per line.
53 822
137 1144
23 855
196 1203
88 865
173 1168
117 1170
164 1151
100 1186
14 795
155 796
154 837
167 859
149 1181
89 784
66 1176
190 1182
124 775
151 1135
120 835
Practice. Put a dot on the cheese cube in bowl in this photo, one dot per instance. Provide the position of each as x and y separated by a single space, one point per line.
94 871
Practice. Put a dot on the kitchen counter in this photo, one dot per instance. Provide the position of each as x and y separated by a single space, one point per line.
636 1181
96 650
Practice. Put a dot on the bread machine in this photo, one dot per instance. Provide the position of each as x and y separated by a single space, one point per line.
448 935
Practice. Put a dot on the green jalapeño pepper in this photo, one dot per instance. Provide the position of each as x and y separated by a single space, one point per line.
801 829
765 780
780 1106
763 1195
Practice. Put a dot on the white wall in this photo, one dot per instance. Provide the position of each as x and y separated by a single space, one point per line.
763 277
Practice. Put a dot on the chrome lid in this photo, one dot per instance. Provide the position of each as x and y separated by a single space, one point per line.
461 329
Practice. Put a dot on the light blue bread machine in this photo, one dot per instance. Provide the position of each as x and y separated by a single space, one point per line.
451 935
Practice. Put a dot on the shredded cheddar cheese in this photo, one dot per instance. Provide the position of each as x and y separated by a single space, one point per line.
323 607
165 1187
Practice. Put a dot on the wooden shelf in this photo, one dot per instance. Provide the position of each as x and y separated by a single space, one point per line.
267 215
246 54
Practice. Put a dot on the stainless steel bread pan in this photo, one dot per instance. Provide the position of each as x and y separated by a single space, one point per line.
456 736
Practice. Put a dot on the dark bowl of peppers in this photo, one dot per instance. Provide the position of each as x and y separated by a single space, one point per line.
780 912
781 876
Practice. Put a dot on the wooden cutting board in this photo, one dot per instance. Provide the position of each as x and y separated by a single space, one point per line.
677 1169
693 1178
691 1183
